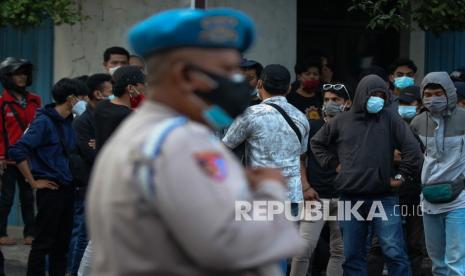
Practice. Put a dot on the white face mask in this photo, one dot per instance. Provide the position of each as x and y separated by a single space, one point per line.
79 107
113 69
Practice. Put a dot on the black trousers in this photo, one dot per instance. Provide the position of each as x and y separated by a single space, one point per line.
52 231
10 177
2 264
414 240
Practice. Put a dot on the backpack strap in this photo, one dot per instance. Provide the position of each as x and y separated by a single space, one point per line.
6 140
16 114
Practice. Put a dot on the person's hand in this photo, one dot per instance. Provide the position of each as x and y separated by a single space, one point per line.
44 184
257 176
338 168
395 183
397 157
92 143
311 194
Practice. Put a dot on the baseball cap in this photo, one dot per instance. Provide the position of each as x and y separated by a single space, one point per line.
276 78
410 94
245 63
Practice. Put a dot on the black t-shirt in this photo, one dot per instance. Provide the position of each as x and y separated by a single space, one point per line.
322 180
310 106
108 116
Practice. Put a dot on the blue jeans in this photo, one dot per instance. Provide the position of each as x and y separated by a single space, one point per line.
79 238
389 231
445 242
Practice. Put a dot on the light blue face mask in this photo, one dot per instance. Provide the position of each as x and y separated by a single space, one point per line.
217 117
407 112
79 107
375 104
403 82
111 97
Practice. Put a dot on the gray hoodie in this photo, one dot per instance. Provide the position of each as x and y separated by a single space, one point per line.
365 144
444 137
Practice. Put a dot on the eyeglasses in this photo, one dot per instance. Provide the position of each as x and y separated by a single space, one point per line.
336 87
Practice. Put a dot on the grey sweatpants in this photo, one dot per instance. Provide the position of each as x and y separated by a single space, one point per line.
310 231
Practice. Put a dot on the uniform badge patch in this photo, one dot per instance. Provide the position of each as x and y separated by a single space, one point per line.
213 164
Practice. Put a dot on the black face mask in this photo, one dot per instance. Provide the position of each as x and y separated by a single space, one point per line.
231 95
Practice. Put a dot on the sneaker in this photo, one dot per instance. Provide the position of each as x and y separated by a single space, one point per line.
28 240
5 240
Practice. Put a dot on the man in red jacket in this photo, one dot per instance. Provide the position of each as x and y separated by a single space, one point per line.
17 110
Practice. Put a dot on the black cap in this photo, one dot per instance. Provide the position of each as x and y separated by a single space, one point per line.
246 63
460 86
410 94
128 75
276 79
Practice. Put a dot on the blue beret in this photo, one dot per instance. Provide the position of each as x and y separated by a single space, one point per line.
211 28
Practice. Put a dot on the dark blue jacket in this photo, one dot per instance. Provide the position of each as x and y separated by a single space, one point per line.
41 145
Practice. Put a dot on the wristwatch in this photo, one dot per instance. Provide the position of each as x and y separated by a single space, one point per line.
399 177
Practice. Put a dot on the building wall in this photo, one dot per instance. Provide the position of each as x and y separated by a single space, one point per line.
79 48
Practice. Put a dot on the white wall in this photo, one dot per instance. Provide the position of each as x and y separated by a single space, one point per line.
417 52
276 23
79 48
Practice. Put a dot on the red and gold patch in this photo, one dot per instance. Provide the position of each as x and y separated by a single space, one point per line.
213 164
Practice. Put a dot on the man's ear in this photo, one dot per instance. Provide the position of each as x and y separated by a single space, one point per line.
192 79
391 78
259 84
97 95
289 89
348 104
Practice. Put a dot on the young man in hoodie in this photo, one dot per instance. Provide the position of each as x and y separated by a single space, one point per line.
442 130
364 140
409 198
43 156
18 108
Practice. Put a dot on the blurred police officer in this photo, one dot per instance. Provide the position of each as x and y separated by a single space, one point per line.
163 193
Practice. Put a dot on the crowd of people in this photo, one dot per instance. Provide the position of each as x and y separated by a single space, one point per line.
52 150
159 184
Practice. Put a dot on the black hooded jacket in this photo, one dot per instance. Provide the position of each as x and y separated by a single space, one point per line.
365 145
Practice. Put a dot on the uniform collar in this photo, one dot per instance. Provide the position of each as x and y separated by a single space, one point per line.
151 106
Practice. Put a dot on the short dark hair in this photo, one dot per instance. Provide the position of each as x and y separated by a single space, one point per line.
402 62
115 50
67 87
124 76
258 68
95 82
434 86
303 66
83 78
